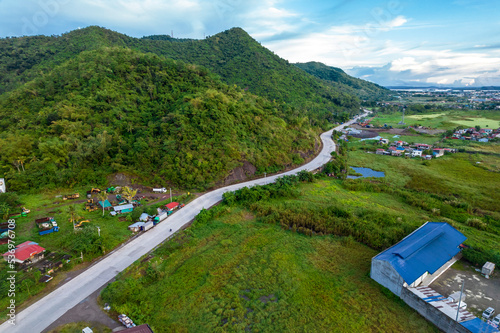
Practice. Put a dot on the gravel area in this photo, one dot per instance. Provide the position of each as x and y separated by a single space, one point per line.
480 292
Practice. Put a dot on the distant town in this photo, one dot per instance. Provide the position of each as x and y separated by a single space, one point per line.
480 99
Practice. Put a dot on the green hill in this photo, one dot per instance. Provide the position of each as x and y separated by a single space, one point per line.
338 78
232 54
70 115
115 109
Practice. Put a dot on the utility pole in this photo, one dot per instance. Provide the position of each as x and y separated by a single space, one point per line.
265 179
170 194
460 300
99 231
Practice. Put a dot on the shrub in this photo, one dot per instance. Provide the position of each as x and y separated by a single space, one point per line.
476 223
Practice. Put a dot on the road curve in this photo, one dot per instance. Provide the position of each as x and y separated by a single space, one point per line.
45 311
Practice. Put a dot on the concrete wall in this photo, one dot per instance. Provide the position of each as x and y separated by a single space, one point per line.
438 318
383 272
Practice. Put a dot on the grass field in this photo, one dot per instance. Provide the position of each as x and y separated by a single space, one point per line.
425 116
442 120
235 274
246 268
480 121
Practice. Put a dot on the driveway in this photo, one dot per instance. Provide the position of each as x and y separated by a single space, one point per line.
480 292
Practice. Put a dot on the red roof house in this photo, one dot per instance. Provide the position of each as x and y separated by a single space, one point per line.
26 252
172 205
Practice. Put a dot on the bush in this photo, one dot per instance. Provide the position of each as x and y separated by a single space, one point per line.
476 223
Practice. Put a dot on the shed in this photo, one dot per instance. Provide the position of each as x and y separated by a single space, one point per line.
124 208
172 205
136 226
488 268
87 330
423 255
144 217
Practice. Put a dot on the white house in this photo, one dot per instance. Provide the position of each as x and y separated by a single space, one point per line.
416 153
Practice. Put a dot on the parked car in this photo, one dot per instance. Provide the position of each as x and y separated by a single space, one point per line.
488 313
496 321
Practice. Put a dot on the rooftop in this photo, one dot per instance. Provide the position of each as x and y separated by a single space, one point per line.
25 250
424 250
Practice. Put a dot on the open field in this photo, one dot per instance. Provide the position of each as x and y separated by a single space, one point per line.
478 121
236 269
425 116
235 273
442 119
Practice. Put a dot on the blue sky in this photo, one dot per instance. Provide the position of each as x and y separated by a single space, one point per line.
391 42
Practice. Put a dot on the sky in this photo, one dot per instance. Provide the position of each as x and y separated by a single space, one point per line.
390 42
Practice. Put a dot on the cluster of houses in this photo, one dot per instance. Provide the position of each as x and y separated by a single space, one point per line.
402 148
483 135
147 222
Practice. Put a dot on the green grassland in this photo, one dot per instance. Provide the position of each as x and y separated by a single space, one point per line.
453 188
235 273
474 121
235 269
448 119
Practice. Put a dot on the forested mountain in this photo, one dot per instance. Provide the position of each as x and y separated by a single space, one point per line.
337 77
76 107
116 109
232 54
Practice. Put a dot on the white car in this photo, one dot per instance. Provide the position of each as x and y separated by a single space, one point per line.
488 313
496 321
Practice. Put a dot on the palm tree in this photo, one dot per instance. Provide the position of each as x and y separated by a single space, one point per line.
128 193
102 196
72 213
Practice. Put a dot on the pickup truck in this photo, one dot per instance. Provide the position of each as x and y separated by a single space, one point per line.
48 231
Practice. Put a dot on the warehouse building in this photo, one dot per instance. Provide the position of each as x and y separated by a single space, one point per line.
419 258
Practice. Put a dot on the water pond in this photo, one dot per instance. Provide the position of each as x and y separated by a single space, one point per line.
366 172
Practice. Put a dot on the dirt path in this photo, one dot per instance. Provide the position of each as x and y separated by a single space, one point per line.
87 310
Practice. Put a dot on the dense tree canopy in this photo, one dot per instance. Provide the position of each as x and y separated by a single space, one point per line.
115 109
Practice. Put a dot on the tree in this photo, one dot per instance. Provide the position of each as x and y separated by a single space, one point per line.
103 196
478 128
128 193
72 213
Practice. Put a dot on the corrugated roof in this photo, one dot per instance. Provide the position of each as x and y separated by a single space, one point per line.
123 207
137 225
25 250
172 205
424 250
478 326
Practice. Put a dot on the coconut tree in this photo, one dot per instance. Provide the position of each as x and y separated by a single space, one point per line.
102 197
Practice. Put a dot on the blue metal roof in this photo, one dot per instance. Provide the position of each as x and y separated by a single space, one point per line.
478 326
424 250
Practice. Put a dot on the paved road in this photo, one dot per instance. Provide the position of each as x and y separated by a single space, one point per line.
41 314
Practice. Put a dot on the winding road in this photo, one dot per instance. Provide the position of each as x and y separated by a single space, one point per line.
42 313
